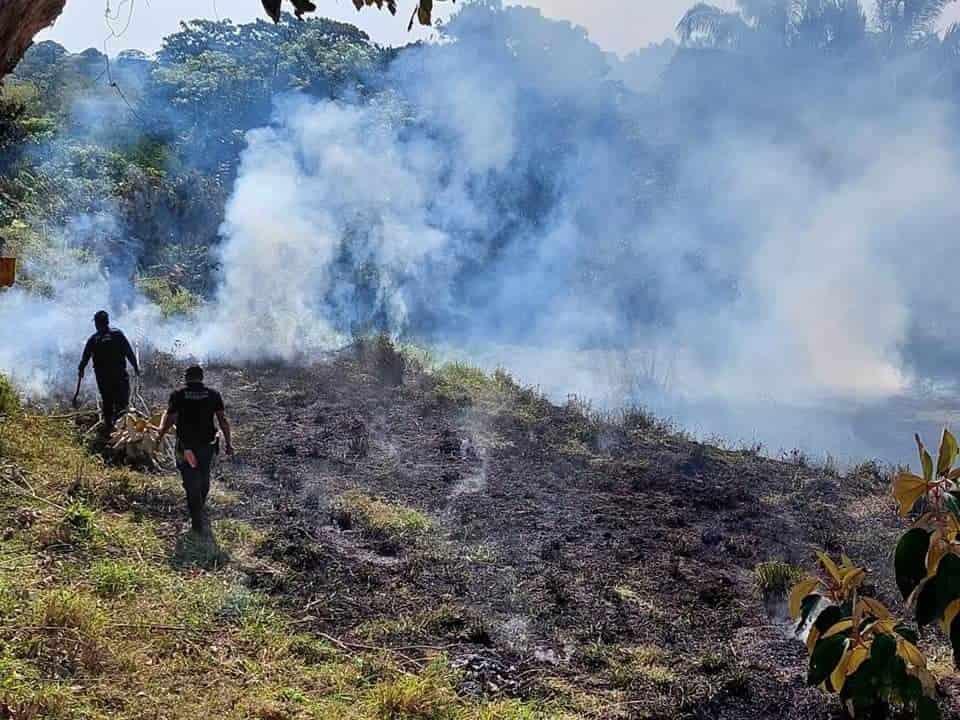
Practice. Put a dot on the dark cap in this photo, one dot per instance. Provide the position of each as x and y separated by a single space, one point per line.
194 373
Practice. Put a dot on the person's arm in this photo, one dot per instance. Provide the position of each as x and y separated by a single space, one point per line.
87 353
129 354
169 417
225 429
168 421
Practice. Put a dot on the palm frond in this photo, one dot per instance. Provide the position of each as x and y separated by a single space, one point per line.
706 25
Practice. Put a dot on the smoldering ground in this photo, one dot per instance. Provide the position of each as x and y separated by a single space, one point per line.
758 249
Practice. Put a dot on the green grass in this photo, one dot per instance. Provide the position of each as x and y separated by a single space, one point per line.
775 578
130 612
382 520
496 393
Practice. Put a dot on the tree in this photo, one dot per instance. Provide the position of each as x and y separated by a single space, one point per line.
21 20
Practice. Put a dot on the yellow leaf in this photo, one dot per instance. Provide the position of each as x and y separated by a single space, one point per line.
954 474
857 657
948 615
925 460
887 625
876 608
852 579
798 593
938 548
838 628
952 528
850 662
812 637
911 653
907 489
839 674
947 453
831 567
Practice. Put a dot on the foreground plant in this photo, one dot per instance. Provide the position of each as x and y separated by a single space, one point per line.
858 649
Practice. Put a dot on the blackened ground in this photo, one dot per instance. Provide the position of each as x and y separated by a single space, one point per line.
610 562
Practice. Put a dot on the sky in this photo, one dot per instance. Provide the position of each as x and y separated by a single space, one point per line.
614 24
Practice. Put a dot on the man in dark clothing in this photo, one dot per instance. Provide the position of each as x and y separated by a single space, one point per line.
192 409
110 351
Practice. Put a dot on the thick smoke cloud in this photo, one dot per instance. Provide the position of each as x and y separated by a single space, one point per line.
761 252
509 220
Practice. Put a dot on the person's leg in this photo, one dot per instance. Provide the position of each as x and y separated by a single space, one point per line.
107 406
192 486
121 401
205 457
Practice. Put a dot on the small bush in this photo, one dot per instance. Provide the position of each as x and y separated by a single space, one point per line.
79 522
858 648
172 299
9 400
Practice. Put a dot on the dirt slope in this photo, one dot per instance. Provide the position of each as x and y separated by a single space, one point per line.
609 562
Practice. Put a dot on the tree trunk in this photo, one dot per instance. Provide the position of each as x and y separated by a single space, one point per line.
20 20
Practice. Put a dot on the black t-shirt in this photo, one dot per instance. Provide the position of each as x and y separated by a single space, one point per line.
110 351
195 406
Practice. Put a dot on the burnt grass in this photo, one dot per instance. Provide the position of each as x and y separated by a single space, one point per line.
605 561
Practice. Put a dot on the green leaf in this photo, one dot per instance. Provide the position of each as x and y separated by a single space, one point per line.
907 633
884 649
909 561
948 582
955 640
952 503
927 709
910 687
947 453
829 617
927 603
824 659
806 607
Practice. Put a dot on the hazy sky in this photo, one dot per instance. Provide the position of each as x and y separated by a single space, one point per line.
613 24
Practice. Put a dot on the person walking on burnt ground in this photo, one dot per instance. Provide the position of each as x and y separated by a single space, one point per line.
110 351
192 409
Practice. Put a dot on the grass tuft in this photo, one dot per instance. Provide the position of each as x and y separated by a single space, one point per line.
389 523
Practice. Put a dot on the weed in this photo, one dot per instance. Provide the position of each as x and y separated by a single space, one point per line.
116 578
775 578
67 635
428 696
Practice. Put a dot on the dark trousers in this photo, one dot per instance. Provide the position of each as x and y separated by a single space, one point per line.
196 482
114 398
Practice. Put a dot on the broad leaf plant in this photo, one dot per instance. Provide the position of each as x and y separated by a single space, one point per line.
858 649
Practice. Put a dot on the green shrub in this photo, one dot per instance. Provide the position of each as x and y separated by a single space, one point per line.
9 400
172 299
858 649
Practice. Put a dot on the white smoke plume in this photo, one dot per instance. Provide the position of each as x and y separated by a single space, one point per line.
502 197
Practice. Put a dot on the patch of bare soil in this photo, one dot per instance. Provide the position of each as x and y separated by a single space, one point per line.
603 560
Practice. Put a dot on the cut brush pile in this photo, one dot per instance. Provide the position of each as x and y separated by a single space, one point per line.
135 439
